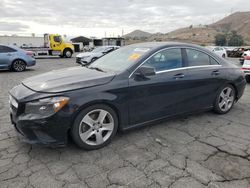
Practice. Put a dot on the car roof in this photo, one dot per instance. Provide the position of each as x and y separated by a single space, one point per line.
159 45
11 46
155 45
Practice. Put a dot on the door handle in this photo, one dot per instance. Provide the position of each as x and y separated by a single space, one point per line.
215 72
178 76
8 54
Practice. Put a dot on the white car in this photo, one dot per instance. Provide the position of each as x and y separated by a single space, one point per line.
246 67
220 51
89 57
246 53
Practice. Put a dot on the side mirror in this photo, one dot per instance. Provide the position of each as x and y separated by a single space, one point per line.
145 71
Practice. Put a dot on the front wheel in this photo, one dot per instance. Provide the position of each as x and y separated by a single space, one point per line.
67 53
225 100
95 127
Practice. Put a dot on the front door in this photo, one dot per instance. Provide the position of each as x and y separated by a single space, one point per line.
160 95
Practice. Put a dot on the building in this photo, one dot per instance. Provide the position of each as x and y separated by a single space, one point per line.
113 41
31 41
109 41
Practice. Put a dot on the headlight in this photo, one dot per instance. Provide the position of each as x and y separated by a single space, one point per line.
47 106
85 57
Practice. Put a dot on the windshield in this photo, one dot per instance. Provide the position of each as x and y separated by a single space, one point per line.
120 59
99 49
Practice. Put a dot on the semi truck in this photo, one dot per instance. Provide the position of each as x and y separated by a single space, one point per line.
53 46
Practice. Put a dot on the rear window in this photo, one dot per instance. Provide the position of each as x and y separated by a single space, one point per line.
197 58
6 49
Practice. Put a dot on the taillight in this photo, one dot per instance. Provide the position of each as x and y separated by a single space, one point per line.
243 68
29 53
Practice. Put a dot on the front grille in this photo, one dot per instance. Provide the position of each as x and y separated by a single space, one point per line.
78 60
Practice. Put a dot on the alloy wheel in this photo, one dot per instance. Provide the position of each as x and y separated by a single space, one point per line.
226 99
19 65
96 127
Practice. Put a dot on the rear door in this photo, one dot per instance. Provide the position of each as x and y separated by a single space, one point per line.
204 76
6 56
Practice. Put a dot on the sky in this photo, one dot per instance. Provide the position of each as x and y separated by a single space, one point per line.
99 18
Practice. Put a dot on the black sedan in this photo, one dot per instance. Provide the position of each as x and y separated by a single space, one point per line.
133 86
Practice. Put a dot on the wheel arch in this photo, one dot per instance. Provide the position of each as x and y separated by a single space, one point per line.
18 59
235 89
67 48
100 102
11 65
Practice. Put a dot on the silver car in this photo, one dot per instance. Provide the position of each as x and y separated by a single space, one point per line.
89 57
14 58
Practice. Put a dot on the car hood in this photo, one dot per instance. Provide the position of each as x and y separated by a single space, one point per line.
87 54
67 79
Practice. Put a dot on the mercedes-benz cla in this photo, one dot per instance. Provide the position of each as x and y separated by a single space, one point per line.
130 87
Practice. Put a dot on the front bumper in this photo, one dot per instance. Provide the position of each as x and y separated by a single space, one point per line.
37 129
82 61
48 131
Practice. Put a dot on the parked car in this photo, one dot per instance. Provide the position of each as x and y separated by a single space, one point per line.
237 52
246 53
130 87
89 57
246 67
14 58
220 51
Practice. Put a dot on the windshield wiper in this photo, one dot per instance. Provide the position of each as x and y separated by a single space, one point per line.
96 68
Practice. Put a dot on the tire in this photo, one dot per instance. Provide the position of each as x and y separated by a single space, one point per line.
248 79
225 99
18 65
67 53
93 59
94 127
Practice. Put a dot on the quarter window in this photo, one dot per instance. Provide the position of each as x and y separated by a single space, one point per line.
197 58
166 60
213 61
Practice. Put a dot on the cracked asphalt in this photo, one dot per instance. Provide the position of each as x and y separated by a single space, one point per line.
202 150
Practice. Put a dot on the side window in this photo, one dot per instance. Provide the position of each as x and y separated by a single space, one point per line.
217 49
57 39
197 58
5 49
166 60
108 50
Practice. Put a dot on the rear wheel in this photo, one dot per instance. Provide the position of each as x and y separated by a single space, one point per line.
18 65
67 53
225 99
95 127
248 79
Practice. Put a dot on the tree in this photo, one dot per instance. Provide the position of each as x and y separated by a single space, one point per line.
220 40
229 39
235 39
